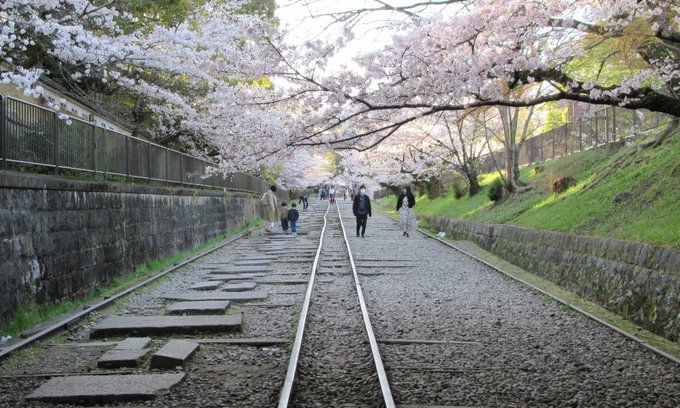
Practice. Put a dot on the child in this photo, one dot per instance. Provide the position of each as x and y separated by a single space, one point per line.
284 218
293 216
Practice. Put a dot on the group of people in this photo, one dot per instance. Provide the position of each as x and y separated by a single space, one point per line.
287 217
361 208
330 192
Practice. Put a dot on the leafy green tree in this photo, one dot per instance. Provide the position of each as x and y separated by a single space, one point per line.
270 174
554 116
332 163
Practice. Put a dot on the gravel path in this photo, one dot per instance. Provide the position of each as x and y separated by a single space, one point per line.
500 344
516 348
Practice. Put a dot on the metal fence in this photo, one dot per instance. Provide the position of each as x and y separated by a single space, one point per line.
382 193
33 138
612 124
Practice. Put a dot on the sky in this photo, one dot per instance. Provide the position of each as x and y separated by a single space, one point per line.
296 18
371 33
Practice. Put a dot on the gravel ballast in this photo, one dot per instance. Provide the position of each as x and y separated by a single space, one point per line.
526 349
460 334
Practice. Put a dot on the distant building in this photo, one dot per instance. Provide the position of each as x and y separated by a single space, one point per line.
54 94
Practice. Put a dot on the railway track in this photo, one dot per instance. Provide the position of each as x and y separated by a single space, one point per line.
346 368
181 322
276 321
213 330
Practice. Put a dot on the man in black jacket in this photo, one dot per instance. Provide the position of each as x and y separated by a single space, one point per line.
293 216
361 209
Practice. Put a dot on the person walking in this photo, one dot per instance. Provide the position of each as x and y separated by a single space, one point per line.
331 194
284 218
270 206
361 207
305 199
407 218
293 216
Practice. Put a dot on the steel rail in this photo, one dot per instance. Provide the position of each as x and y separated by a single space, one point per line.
382 376
287 389
65 324
558 299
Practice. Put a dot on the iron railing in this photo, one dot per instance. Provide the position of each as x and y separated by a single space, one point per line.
33 138
607 126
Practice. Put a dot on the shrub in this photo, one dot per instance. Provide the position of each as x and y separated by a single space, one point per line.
561 184
496 190
459 190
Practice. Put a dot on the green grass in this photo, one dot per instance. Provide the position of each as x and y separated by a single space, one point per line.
31 314
649 214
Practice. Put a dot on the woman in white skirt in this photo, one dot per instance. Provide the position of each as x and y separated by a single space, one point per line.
407 218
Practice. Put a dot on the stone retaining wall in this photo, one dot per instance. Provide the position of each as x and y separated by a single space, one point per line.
638 281
61 238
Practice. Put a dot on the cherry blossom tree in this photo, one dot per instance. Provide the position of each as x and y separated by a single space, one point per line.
201 76
488 53
482 53
454 142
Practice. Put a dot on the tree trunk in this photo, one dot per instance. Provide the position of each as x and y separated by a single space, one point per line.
510 176
473 181
515 166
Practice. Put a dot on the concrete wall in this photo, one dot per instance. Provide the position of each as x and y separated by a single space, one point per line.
60 238
638 281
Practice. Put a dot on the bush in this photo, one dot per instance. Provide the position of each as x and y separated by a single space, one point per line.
561 184
496 190
459 190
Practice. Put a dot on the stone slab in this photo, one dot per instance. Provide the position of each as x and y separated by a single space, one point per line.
241 269
296 260
121 358
239 287
206 285
282 281
257 258
235 276
173 354
133 343
104 388
234 296
208 307
293 272
253 263
155 325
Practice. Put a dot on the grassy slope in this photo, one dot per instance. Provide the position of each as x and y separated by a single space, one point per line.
650 214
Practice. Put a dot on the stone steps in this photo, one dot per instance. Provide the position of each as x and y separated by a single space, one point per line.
233 296
161 325
104 388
